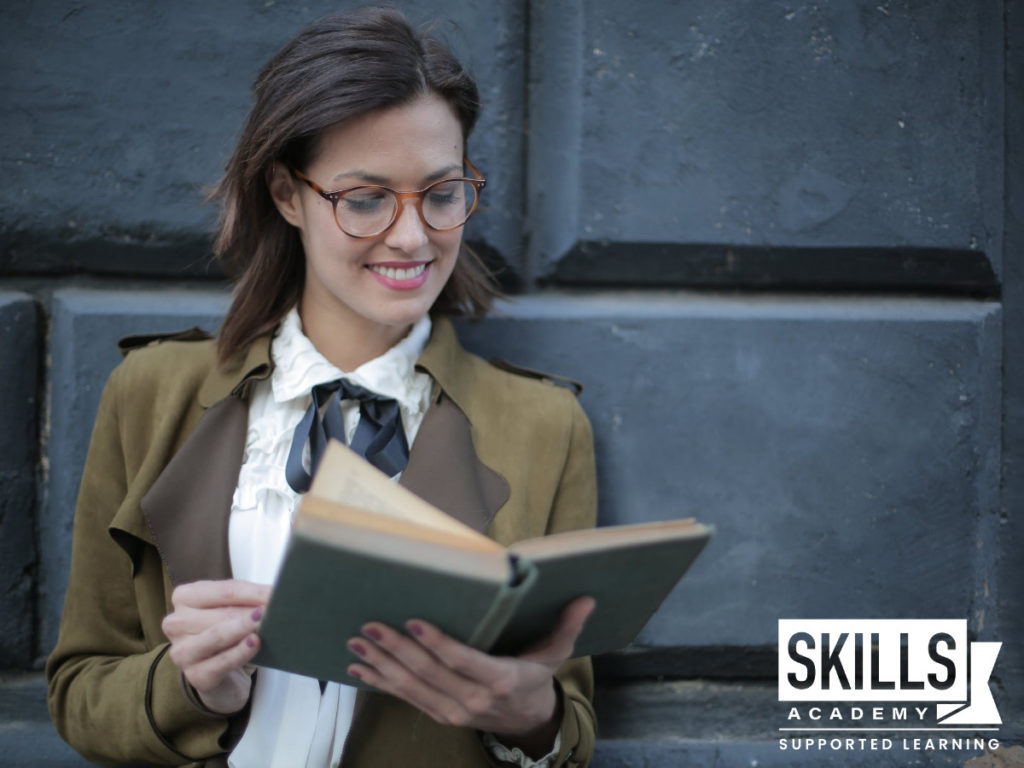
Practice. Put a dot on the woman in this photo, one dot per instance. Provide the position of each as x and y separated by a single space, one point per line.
343 208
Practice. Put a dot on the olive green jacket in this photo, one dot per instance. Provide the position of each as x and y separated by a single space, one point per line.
507 453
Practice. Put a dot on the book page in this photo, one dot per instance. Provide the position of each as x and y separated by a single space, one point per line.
336 522
345 478
610 537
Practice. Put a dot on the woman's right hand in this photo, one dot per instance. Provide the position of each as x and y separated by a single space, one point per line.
212 630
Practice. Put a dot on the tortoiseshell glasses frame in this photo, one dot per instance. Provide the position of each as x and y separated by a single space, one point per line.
365 198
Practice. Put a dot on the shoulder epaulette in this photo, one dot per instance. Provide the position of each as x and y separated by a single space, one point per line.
137 341
532 373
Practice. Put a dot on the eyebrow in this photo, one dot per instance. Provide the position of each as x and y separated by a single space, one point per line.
371 178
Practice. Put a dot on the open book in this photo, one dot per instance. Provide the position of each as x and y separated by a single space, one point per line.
363 548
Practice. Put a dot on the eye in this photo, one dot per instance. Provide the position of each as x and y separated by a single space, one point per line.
446 193
367 200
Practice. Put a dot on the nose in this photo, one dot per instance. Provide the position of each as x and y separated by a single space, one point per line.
408 233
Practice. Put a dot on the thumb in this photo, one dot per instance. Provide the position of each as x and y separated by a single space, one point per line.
558 646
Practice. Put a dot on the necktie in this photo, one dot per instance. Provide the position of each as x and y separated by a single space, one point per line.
379 438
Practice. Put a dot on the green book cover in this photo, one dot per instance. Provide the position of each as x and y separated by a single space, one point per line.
338 574
628 570
337 577
364 549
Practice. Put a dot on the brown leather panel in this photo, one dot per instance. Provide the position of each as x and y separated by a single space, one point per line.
187 507
445 470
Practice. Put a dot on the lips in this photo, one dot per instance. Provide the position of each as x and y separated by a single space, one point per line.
399 273
401 276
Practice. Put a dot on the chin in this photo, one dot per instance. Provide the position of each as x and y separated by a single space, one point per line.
402 317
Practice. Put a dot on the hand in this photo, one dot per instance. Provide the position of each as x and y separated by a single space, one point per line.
512 697
213 635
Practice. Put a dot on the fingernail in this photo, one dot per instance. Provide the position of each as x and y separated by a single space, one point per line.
257 614
415 627
250 641
357 648
355 673
373 633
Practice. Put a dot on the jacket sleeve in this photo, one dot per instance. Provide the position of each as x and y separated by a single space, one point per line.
575 506
114 693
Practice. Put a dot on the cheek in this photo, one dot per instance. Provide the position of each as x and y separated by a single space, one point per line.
331 248
450 243
452 252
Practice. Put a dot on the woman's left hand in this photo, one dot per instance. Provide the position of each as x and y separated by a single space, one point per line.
513 697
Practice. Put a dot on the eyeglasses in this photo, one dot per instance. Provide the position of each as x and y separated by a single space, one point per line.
370 209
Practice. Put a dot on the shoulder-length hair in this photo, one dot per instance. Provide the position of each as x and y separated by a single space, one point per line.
338 68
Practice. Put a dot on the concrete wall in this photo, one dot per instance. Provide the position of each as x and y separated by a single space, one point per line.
135 108
1011 538
780 244
19 454
837 138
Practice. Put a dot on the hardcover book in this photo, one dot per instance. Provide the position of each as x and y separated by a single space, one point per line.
363 548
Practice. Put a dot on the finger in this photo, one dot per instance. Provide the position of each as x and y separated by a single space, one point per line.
465 661
558 646
191 621
440 708
403 668
372 676
398 656
215 639
215 594
211 672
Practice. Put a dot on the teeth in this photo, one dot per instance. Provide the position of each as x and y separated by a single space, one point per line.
399 274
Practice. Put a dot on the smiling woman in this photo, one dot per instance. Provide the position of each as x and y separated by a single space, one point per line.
342 215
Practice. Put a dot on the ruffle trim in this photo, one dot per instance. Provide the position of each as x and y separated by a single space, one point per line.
298 366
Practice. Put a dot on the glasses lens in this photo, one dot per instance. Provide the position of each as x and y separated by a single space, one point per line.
365 210
448 204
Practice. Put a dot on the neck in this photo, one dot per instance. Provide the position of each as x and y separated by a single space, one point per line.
350 345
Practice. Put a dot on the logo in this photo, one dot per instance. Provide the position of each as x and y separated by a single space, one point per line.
885 683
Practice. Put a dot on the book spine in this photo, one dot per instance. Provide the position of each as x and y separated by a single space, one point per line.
522 575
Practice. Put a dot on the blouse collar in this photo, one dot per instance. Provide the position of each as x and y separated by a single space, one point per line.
298 366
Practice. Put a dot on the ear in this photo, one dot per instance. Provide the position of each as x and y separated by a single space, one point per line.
285 193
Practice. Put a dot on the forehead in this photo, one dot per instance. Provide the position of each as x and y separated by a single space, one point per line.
408 139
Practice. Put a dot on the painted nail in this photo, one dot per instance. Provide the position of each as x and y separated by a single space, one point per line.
355 673
257 614
373 633
357 648
250 641
415 627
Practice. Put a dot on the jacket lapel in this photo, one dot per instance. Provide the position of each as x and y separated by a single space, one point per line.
444 467
188 505
445 470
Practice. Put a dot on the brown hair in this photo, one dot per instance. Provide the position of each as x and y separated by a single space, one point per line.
338 68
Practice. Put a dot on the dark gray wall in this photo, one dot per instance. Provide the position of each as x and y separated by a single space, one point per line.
829 131
780 243
19 454
1010 577
122 115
